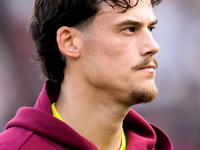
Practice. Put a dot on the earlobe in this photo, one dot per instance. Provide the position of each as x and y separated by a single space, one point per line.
65 40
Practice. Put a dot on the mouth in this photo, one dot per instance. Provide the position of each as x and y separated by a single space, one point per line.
149 64
148 68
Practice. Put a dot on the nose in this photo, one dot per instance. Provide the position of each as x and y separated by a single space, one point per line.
148 44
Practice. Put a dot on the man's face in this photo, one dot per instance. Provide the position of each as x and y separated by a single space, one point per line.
117 56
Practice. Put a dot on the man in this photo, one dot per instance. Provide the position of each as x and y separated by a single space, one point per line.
98 57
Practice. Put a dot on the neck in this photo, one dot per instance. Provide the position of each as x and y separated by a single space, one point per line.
93 114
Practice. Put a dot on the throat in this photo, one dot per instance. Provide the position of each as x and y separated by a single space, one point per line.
104 131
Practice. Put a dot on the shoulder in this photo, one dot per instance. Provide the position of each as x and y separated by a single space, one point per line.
19 138
14 138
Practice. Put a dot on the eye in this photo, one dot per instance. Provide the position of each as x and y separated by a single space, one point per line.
130 29
151 29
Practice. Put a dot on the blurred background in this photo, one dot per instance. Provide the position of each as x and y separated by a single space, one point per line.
176 110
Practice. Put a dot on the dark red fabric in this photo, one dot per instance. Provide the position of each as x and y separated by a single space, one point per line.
36 128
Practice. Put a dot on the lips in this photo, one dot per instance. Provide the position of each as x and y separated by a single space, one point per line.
148 63
150 66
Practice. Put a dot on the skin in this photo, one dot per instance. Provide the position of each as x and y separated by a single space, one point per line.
110 67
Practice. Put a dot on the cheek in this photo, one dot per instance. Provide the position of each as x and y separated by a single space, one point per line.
108 64
115 60
113 50
111 54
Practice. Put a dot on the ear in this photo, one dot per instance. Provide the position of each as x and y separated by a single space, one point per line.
66 42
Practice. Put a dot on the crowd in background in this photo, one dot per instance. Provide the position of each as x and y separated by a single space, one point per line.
176 110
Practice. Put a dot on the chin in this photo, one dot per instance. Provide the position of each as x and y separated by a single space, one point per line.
143 95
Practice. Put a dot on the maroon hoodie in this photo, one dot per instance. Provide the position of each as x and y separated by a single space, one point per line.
37 129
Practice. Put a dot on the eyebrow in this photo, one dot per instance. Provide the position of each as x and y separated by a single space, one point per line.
136 23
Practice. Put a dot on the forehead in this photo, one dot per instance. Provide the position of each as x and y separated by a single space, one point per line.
143 11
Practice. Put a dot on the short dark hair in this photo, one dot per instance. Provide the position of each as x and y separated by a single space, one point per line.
50 15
